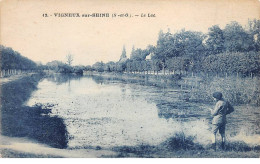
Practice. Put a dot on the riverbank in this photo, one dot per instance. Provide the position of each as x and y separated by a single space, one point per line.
18 120
13 147
23 148
238 90
4 80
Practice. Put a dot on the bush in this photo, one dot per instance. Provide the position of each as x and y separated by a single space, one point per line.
236 90
182 142
233 63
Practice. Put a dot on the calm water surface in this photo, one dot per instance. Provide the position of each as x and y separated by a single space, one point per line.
107 113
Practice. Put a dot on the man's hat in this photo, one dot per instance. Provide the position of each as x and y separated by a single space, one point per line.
217 95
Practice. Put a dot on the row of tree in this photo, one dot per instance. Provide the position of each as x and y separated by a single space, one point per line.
233 49
12 60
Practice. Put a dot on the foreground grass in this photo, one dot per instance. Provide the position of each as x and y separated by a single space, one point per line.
181 146
177 146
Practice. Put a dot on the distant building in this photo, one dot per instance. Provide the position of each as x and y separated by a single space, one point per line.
149 57
123 57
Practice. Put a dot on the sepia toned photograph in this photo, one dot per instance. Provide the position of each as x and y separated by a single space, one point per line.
129 79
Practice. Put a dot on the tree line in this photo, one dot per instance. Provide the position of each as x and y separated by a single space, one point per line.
60 67
233 49
10 60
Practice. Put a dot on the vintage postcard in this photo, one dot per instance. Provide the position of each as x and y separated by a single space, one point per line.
129 79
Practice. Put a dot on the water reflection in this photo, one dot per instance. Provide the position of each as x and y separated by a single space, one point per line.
32 122
98 79
166 98
62 78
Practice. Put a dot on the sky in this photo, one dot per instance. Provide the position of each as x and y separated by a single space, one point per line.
92 39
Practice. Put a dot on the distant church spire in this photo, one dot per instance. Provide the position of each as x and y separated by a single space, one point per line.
123 55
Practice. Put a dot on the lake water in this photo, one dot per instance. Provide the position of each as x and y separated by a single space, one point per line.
107 112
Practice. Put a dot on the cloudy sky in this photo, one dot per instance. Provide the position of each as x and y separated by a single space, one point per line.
89 40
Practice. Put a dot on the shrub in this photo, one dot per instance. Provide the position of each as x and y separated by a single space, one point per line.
182 142
236 90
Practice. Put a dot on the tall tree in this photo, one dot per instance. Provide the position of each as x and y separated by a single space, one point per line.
69 59
215 41
132 52
188 43
163 49
236 38
254 32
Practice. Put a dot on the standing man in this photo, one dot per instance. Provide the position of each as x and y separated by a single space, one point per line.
222 108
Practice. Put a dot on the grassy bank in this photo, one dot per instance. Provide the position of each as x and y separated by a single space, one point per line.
143 79
181 146
238 90
18 120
